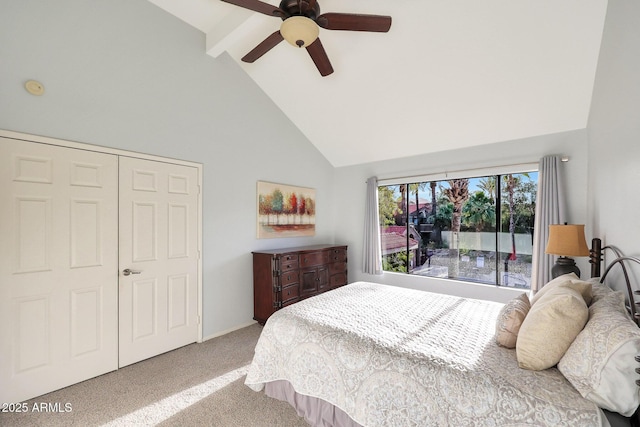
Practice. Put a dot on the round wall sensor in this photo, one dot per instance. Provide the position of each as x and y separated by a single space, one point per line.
34 87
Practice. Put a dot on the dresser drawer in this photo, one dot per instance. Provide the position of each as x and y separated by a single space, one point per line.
290 293
338 280
289 277
291 301
337 255
337 267
314 258
288 262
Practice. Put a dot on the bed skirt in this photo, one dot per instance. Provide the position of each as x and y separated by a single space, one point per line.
315 411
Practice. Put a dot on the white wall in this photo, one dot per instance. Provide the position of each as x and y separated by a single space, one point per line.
614 132
350 185
614 138
125 74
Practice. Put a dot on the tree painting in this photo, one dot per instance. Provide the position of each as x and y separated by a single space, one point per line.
292 205
285 210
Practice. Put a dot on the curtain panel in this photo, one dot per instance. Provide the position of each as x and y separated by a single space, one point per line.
550 209
372 254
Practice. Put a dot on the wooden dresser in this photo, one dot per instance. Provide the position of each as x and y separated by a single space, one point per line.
284 276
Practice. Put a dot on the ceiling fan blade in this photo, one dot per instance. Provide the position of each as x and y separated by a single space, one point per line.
258 6
320 58
354 22
265 46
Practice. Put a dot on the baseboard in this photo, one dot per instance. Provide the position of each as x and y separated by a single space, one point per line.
225 332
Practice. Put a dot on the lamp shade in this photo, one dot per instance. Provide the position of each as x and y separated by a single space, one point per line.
567 240
300 31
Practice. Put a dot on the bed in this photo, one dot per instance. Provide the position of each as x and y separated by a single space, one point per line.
372 355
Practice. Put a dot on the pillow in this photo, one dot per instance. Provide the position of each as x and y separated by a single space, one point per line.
600 362
568 281
509 320
550 327
598 290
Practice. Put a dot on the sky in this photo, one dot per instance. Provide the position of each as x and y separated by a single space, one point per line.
425 195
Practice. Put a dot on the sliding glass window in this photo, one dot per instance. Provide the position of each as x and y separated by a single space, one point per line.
477 229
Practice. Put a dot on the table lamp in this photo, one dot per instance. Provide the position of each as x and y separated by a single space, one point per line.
566 241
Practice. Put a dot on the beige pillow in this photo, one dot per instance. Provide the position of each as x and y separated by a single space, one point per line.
509 320
568 281
550 327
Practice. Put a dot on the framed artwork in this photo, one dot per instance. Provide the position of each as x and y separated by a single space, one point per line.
285 210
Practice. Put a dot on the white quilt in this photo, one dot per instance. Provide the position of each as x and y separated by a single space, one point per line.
390 356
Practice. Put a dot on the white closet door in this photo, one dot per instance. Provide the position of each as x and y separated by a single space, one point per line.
159 245
58 267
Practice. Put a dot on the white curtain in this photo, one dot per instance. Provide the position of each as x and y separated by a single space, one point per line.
549 210
372 255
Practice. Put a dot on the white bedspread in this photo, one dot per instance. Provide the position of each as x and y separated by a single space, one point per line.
389 356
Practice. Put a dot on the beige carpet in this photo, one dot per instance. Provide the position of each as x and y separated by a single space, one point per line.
196 385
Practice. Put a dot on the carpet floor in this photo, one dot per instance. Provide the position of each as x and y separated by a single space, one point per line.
196 385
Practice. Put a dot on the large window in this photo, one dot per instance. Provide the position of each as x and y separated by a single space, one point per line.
476 229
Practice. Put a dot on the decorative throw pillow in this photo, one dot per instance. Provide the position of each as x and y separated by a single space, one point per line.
550 327
568 281
600 362
598 290
509 320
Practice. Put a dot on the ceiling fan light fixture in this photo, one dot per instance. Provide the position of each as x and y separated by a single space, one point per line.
299 31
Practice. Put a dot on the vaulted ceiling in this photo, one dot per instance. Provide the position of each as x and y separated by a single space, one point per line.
449 73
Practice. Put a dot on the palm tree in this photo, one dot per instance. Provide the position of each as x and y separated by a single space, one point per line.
403 203
415 189
511 183
457 193
434 203
479 211
488 184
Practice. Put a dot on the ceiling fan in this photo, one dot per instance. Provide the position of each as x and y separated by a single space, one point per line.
300 27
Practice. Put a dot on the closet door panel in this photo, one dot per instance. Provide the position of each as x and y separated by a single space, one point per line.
159 248
58 267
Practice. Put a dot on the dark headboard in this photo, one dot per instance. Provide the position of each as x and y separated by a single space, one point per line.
595 258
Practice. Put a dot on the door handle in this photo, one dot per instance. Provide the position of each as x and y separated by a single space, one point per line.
128 271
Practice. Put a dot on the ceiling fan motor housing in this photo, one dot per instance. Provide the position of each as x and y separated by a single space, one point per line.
300 8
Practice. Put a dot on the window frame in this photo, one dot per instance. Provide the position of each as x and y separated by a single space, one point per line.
497 171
